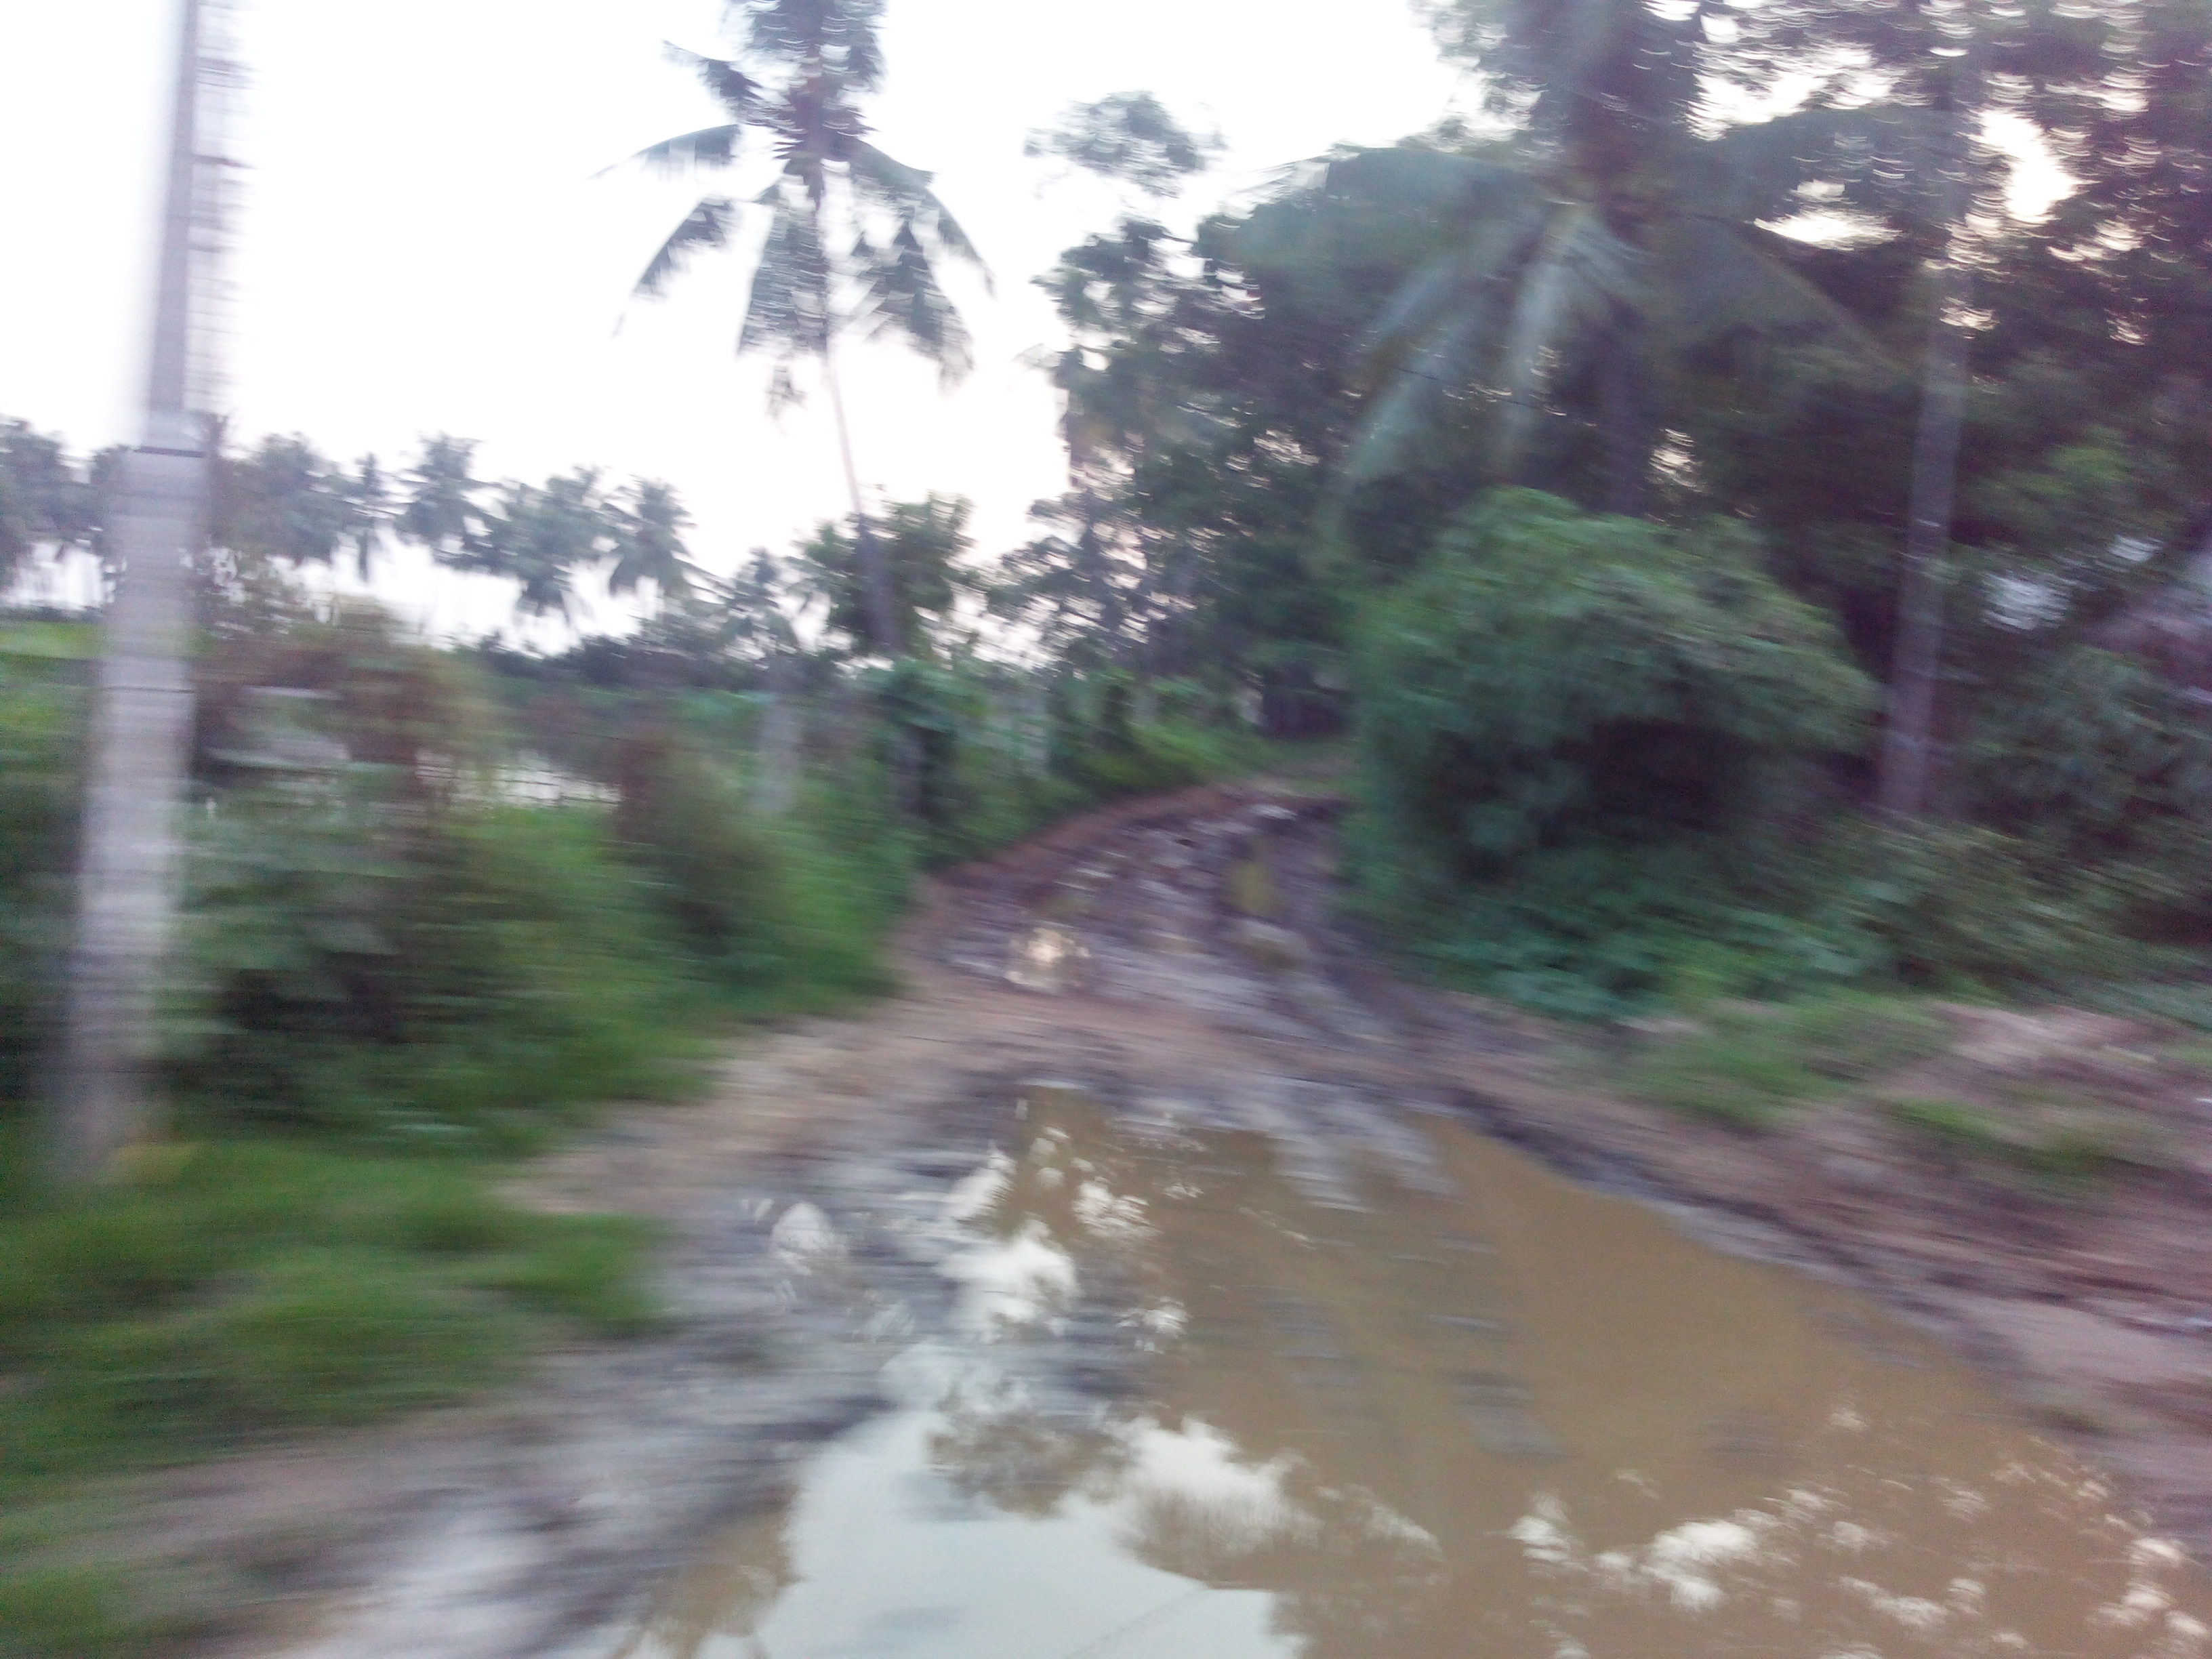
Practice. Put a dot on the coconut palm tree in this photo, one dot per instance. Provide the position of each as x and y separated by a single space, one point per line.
1609 241
855 239
1617 235
649 523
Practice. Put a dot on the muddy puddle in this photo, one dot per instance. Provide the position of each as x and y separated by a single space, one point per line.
1187 1394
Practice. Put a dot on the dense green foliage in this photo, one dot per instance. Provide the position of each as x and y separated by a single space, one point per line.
440 898
41 715
1280 428
1552 679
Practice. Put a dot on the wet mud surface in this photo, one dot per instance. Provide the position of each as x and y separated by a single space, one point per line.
1157 1276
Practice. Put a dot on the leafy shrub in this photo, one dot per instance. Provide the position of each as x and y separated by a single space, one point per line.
955 746
1551 677
768 911
1963 909
1578 736
1597 932
1160 755
2093 753
397 971
952 762
41 723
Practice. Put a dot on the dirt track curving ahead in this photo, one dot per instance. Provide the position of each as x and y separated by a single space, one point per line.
1177 945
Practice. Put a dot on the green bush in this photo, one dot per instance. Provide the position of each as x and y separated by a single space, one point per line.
1162 755
769 910
2093 753
1966 909
401 972
1582 738
1552 678
1599 933
41 733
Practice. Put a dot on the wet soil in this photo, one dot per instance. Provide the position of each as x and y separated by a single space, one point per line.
1174 960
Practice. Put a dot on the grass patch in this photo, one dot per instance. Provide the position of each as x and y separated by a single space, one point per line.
1852 1035
259 1286
1749 1065
2056 1147
78 1611
241 1290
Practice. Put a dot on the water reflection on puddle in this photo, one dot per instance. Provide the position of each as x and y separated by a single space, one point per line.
1484 1413
1048 958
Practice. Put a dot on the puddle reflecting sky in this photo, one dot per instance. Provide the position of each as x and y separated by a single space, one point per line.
1479 1412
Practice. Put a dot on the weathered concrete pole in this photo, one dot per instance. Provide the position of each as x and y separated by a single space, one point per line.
141 714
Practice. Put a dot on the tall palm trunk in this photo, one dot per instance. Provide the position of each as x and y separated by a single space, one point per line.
780 731
1908 753
141 716
1622 421
875 574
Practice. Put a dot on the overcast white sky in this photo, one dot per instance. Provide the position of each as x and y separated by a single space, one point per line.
423 245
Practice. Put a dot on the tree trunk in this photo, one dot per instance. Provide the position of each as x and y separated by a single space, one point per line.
1623 421
780 733
1908 752
875 574
1097 569
142 718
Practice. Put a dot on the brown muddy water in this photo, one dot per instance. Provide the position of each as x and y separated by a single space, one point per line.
1431 1401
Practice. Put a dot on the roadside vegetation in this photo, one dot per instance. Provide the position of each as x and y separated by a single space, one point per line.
1751 1065
445 906
1778 627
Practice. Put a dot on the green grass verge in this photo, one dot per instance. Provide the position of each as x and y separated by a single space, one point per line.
247 1290
2064 1149
1751 1065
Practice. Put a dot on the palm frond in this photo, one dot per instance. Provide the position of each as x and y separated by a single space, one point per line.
709 147
1882 156
905 190
1455 278
736 91
1406 411
787 309
707 225
1383 204
900 293
1435 180
1720 279
648 521
1426 347
1579 273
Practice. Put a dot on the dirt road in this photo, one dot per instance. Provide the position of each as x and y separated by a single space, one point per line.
1175 948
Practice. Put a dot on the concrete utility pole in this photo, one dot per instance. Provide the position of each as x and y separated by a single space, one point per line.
143 711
